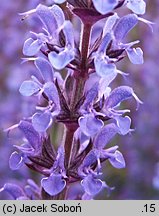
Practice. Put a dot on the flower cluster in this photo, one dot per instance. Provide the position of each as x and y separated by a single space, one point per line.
81 99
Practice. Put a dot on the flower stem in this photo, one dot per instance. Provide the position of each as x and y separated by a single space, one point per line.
81 77
69 133
85 40
78 89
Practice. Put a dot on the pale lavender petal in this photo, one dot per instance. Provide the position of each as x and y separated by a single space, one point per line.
105 42
91 95
105 135
29 88
118 95
90 125
15 161
61 60
137 6
51 92
104 6
30 134
135 55
124 25
117 160
59 162
42 121
45 69
59 1
54 184
69 34
103 68
31 47
123 124
110 23
91 185
90 159
58 14
104 83
84 141
46 16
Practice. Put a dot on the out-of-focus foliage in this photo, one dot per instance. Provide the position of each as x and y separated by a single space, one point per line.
12 73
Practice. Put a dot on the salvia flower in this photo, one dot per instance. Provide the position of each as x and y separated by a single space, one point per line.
54 23
72 84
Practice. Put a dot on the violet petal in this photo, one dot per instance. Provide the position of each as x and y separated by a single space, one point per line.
15 161
117 160
31 47
105 135
54 184
42 121
30 134
124 25
45 69
91 185
89 125
29 88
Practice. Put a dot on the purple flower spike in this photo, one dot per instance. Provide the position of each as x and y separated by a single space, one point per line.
137 6
124 25
76 60
14 190
117 160
104 6
105 135
53 184
42 121
29 88
91 185
89 125
15 161
44 68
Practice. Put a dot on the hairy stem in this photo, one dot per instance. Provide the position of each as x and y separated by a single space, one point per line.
81 77
69 133
85 40
78 89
